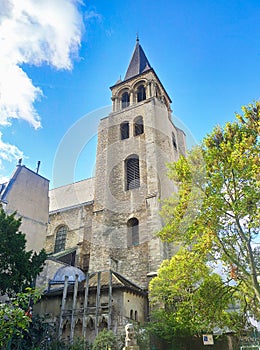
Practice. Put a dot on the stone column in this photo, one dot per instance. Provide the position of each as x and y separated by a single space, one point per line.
148 90
152 89
74 304
113 103
63 305
131 97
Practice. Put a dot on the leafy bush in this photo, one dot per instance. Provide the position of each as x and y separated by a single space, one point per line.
106 340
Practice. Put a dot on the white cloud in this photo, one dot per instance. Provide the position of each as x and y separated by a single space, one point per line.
33 32
8 152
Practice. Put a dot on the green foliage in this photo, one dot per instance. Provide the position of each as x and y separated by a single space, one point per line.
78 344
141 334
105 340
190 299
18 267
214 218
40 335
14 321
216 211
142 337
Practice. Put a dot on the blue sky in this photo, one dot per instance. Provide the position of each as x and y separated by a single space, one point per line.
205 52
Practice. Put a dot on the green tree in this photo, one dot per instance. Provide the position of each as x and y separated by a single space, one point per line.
14 318
18 267
215 213
189 298
105 340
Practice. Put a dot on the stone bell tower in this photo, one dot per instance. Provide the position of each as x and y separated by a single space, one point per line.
135 142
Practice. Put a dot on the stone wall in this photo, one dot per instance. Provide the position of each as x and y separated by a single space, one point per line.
114 205
79 223
122 301
27 195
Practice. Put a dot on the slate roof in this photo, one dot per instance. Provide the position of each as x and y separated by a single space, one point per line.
139 62
117 281
72 195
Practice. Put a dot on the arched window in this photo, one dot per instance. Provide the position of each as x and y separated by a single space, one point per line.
136 315
138 126
91 323
124 130
132 172
131 314
133 231
60 240
174 141
125 100
141 95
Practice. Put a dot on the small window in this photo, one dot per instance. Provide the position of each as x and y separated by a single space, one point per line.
136 315
125 100
174 141
132 173
124 129
133 231
60 241
141 95
138 126
131 314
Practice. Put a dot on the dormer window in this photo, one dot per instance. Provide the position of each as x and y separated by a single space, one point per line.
125 100
141 94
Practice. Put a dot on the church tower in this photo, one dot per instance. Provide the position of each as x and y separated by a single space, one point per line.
135 141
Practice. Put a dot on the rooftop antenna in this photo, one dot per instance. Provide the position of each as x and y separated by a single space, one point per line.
38 166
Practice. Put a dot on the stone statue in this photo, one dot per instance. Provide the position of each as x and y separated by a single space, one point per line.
130 341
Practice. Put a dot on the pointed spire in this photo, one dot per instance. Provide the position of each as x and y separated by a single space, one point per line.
139 62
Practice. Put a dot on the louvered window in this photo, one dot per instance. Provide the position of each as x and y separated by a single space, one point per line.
138 126
133 231
60 241
125 100
141 95
132 173
124 129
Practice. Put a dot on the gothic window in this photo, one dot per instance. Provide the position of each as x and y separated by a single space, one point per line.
132 172
125 100
124 129
141 95
174 141
133 231
138 126
60 241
